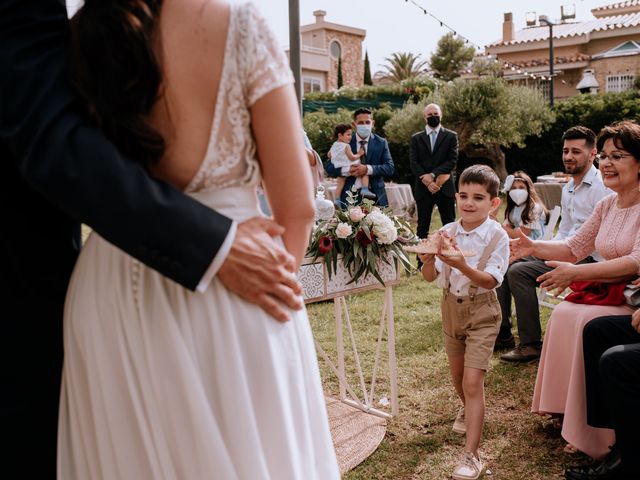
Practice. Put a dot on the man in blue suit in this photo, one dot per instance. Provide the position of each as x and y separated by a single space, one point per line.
378 162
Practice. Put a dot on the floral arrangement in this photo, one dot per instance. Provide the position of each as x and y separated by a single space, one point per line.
361 233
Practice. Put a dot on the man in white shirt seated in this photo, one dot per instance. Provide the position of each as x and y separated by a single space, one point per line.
579 197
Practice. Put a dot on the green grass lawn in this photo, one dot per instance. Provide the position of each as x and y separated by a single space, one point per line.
419 443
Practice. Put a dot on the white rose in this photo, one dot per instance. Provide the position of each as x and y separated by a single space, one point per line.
343 230
356 214
382 227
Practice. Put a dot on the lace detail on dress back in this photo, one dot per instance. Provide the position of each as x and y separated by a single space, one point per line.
254 65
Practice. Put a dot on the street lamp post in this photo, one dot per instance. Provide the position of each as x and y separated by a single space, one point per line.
543 19
294 47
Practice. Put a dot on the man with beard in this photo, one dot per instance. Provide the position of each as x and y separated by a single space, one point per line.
579 197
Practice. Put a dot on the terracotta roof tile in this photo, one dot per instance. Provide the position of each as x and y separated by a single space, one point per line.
565 30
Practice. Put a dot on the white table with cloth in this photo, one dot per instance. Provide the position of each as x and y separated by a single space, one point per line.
400 196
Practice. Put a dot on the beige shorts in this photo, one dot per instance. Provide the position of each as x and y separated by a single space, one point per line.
470 327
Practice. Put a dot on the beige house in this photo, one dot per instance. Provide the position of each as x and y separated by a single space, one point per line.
598 55
322 43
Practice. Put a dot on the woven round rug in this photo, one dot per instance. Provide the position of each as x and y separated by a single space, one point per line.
356 434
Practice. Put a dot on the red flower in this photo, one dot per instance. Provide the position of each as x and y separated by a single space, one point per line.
363 238
325 245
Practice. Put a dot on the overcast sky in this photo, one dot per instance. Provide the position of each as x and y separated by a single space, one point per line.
398 25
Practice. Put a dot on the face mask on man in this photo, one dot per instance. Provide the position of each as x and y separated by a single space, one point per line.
519 196
363 130
433 122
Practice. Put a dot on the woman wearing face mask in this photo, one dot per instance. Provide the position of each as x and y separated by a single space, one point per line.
526 212
524 208
613 232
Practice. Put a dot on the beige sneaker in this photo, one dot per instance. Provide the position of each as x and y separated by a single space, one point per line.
469 467
459 425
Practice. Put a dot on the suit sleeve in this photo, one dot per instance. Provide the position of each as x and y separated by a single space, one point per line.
331 170
72 165
416 168
451 158
386 167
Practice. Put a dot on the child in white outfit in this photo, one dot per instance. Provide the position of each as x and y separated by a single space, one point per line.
342 157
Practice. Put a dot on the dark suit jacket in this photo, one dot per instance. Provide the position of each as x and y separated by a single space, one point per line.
379 157
442 160
59 171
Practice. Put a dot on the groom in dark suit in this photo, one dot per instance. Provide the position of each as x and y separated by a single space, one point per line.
377 164
59 171
433 156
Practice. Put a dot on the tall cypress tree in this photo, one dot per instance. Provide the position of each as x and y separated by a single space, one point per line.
340 81
367 69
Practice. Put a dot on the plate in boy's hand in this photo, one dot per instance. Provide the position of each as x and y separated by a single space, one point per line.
431 245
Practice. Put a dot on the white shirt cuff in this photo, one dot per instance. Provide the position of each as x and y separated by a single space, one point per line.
369 170
218 260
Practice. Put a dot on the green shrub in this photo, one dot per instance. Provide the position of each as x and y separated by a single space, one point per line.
543 154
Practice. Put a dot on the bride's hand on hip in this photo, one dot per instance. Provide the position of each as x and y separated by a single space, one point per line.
260 270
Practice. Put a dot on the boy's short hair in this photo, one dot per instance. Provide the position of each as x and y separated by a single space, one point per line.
580 133
360 111
482 175
340 129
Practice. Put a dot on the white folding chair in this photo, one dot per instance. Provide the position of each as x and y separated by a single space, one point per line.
544 297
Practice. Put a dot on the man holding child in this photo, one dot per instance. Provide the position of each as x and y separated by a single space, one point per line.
376 162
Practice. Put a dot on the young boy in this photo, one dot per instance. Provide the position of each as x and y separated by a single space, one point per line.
470 309
342 157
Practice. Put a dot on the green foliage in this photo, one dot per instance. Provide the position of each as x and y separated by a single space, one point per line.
485 66
485 111
367 70
340 80
451 57
319 127
542 155
405 123
411 88
402 65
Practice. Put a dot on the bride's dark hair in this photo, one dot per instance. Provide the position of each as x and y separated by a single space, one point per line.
115 68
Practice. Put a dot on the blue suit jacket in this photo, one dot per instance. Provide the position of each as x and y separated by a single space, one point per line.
379 157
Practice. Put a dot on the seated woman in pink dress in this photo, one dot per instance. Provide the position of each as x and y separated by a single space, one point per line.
612 231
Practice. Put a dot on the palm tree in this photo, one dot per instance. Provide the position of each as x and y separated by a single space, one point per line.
402 65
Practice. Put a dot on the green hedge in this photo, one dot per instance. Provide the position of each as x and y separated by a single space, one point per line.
544 154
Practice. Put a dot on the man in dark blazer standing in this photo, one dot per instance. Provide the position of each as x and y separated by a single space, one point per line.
377 164
59 171
433 156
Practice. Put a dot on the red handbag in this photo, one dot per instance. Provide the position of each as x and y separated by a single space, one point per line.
597 293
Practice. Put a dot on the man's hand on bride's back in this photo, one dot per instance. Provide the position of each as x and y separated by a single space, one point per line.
260 270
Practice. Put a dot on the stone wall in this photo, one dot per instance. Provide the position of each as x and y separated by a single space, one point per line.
352 60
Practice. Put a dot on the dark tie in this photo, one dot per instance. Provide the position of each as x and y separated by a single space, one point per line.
363 158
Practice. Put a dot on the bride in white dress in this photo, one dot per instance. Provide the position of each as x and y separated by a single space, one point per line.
164 383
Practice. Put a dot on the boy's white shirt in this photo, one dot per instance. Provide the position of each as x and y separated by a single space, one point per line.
476 241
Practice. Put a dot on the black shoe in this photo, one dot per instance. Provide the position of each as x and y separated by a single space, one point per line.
505 343
523 353
608 469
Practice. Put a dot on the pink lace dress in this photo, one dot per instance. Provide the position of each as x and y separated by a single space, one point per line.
167 384
560 384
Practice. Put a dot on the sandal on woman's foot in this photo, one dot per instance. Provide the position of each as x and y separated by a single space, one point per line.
556 423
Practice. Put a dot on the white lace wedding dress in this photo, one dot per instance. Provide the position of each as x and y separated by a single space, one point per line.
163 383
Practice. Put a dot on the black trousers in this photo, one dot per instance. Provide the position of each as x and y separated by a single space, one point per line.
612 373
446 207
